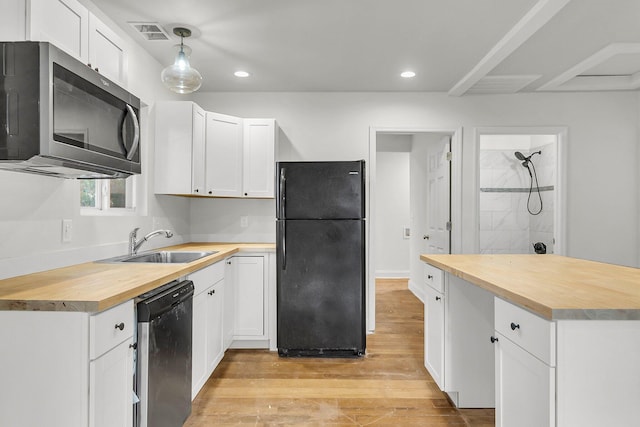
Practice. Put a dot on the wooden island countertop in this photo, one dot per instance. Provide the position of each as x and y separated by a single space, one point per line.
552 286
97 286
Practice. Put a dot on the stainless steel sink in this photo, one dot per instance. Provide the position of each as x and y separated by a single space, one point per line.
162 257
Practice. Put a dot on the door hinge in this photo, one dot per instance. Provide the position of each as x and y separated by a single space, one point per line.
448 226
449 156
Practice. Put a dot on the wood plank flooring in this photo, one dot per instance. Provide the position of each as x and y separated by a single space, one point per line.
387 387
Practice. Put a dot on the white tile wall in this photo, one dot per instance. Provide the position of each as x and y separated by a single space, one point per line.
505 224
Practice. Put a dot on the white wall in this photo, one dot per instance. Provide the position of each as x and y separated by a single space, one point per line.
602 148
392 214
32 207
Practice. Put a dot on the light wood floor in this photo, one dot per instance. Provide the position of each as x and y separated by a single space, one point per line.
387 387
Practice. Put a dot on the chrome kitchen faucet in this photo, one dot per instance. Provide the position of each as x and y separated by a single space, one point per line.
134 244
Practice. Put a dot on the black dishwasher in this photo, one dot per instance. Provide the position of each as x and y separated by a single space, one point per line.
163 355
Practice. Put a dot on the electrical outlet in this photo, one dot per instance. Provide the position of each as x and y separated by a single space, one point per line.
244 221
67 229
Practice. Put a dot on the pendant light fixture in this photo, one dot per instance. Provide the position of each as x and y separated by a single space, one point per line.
180 77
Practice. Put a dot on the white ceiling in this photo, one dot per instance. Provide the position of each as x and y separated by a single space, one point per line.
456 46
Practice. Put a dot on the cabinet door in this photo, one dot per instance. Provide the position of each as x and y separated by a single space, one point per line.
223 155
229 312
107 52
179 148
434 335
65 23
525 387
259 158
198 151
111 387
249 295
199 343
215 297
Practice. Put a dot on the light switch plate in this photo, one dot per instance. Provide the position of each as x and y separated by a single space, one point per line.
67 230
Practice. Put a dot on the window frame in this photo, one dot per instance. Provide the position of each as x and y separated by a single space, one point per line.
103 194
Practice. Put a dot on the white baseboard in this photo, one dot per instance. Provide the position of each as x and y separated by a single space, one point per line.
392 274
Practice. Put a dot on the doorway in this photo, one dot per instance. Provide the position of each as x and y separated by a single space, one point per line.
520 203
406 147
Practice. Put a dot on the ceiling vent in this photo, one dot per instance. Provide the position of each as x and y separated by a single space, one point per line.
151 31
501 84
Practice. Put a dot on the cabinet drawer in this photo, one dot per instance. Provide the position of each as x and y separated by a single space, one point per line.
533 333
434 277
109 328
203 279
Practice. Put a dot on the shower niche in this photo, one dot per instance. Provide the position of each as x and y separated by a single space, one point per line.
517 193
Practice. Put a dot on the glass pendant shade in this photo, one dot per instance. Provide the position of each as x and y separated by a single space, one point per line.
180 77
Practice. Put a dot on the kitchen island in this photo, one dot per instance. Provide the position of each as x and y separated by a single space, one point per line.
549 340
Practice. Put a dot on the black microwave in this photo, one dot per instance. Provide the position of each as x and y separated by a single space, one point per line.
59 117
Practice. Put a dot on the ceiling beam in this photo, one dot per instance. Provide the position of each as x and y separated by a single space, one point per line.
536 18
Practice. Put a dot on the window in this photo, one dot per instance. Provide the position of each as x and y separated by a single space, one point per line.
112 196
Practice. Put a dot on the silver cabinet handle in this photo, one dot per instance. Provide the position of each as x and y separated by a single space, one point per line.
136 133
283 243
283 189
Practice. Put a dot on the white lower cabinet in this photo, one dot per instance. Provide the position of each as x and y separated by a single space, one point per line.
458 321
434 335
207 329
110 385
247 277
525 356
77 367
525 387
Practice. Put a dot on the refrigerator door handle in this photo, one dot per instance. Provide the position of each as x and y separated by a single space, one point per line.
282 191
283 243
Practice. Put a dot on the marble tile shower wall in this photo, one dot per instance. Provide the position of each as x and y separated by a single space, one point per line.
505 224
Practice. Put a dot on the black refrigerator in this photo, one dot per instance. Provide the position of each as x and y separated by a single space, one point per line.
321 259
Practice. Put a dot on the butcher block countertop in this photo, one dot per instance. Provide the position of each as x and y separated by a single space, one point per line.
97 286
552 286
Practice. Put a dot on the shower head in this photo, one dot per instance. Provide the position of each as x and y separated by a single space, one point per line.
520 156
525 160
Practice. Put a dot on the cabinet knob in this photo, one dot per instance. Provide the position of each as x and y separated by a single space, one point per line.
246 194
426 237
134 346
494 339
514 326
211 292
429 276
97 70
438 298
196 190
210 192
120 326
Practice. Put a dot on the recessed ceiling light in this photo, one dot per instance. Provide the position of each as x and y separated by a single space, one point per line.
241 74
407 74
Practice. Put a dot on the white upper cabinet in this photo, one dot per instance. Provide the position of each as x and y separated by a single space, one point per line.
179 148
65 23
223 155
259 158
200 153
107 53
68 25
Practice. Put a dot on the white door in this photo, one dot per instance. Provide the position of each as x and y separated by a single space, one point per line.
437 239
